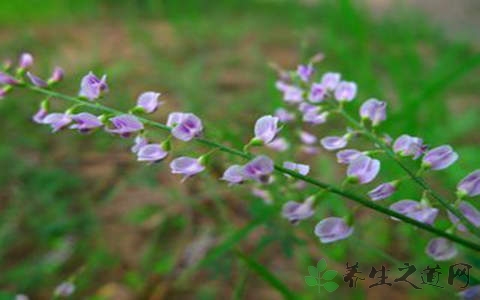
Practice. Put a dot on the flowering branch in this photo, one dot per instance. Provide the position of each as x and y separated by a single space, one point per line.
324 98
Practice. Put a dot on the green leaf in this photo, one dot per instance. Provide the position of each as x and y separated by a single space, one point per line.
330 286
266 275
321 265
311 281
312 271
329 274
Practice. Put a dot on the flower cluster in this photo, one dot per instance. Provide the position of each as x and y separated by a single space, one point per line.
309 100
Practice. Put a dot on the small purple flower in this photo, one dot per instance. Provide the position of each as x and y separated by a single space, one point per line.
307 138
65 289
299 168
331 143
36 81
125 125
374 110
305 72
348 155
317 93
382 191
57 121
345 91
279 144
441 249
26 61
284 116
148 101
259 169
85 122
470 185
262 194
185 126
315 117
439 158
332 229
234 175
93 87
139 142
40 115
310 150
406 145
330 80
186 166
6 79
415 210
469 212
296 212
266 128
151 153
472 293
305 107
292 94
57 75
363 169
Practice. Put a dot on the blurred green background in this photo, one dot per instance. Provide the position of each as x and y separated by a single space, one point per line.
80 207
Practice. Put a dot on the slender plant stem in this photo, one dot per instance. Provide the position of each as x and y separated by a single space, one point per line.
417 179
347 194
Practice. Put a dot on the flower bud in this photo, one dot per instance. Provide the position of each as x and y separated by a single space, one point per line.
333 229
441 249
439 158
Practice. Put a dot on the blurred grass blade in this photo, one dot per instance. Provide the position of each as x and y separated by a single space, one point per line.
266 275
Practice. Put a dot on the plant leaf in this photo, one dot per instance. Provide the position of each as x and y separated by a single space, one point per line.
312 271
311 281
331 286
329 274
321 265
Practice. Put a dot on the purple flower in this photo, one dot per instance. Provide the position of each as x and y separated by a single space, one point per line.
310 150
85 122
406 145
279 144
284 116
125 125
57 121
345 91
330 80
441 249
469 212
472 293
470 185
36 81
299 168
295 212
439 158
6 79
332 229
259 169
374 110
92 87
317 93
363 169
151 153
186 166
139 142
185 126
40 115
382 191
292 94
305 107
315 117
57 75
26 61
331 143
234 175
348 155
305 72
307 138
65 289
266 128
148 101
262 194
415 210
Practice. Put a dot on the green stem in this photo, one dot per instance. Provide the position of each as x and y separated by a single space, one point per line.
361 200
417 179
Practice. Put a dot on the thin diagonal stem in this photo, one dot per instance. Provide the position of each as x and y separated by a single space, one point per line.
417 179
353 197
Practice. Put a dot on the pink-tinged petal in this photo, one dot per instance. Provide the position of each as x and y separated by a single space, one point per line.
148 101
26 61
307 138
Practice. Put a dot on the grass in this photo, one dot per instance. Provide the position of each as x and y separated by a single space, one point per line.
130 224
